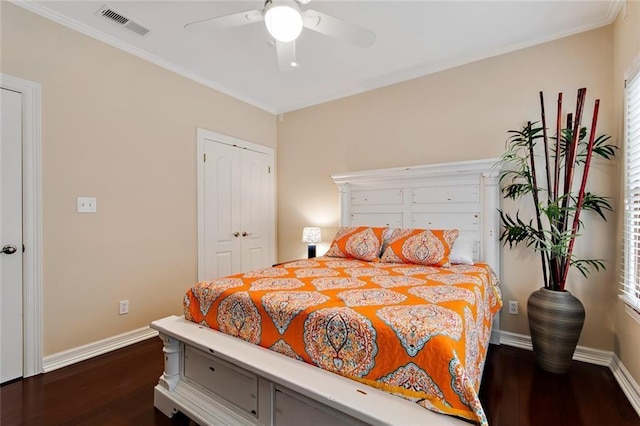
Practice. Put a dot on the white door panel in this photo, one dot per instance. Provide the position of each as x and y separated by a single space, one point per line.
255 239
223 264
254 258
221 202
11 235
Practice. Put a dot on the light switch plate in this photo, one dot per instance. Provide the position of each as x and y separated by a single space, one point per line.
86 205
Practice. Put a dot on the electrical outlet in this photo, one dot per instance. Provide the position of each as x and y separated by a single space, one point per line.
124 307
86 205
513 307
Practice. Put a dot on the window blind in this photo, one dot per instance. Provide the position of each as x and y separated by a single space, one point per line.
631 276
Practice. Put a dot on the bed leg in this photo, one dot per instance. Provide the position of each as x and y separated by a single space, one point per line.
163 402
171 375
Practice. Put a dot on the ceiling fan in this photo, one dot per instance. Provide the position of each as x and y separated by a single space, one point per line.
284 20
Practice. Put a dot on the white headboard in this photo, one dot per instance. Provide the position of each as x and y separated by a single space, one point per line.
462 195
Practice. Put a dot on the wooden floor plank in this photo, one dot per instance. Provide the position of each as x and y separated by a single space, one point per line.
117 389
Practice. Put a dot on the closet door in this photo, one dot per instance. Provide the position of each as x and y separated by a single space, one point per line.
236 220
221 210
255 176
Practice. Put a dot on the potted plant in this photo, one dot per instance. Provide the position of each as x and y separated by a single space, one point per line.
553 171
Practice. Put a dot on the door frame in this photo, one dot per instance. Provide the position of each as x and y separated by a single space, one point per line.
31 220
204 135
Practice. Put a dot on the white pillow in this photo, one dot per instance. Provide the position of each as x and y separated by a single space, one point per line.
462 251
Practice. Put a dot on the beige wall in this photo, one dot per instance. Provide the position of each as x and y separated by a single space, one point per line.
626 51
123 130
459 114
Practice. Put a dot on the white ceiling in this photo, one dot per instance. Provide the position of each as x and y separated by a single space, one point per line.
414 38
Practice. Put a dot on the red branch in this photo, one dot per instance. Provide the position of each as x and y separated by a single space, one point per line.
556 176
576 217
571 155
570 159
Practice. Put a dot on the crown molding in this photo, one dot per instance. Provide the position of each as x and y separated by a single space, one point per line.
614 9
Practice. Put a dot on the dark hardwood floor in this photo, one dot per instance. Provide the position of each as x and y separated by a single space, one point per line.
515 392
117 389
112 389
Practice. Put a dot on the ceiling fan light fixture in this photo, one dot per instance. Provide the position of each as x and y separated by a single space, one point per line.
283 20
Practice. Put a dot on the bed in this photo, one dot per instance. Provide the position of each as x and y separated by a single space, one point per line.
406 340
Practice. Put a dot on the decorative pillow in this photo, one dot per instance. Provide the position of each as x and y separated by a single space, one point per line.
420 246
361 242
462 251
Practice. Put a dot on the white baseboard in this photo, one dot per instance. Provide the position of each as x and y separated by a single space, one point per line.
593 356
629 386
84 352
495 337
516 340
582 353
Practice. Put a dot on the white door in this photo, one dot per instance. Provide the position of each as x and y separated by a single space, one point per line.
236 219
255 177
221 210
11 343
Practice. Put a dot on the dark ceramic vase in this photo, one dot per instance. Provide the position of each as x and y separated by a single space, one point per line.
555 323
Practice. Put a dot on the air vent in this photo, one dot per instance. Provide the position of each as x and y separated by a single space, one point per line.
110 14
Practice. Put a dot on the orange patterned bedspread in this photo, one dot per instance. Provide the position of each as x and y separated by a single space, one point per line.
419 332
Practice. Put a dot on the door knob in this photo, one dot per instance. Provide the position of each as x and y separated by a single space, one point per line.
9 249
236 234
244 234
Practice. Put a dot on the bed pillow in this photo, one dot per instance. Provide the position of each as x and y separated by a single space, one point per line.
420 246
362 242
462 251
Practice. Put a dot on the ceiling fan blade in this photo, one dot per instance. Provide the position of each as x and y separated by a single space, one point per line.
286 55
223 22
337 28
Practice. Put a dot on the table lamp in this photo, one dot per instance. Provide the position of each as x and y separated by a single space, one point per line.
311 235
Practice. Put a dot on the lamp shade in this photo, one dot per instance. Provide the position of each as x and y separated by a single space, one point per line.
311 234
283 20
